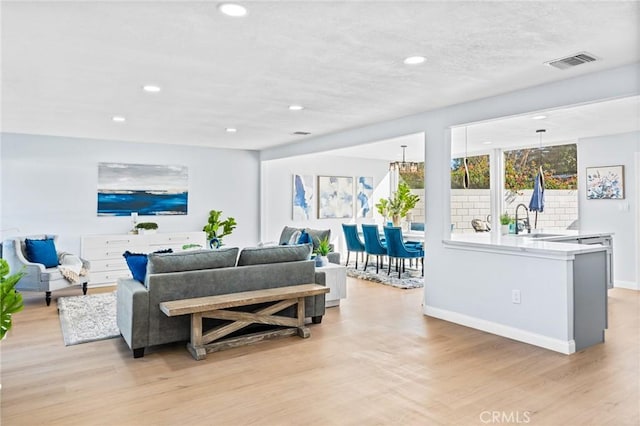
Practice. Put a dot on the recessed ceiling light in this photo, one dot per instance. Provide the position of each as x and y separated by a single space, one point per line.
232 9
539 117
231 129
118 119
487 143
414 60
151 88
296 107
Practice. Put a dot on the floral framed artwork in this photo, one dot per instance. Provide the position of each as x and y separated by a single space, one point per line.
335 197
605 183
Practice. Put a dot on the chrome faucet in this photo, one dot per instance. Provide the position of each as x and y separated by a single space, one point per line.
528 224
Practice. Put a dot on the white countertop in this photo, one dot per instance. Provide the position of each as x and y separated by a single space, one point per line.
524 243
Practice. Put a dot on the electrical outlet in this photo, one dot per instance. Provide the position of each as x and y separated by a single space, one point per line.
515 296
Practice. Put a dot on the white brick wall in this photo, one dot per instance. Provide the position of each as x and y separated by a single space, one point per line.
560 209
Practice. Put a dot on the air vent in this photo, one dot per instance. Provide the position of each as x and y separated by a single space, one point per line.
571 61
301 133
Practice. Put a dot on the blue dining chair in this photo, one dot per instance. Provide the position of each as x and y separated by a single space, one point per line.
354 243
396 249
373 246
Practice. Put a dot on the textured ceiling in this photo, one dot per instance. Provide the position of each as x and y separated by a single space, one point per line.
68 67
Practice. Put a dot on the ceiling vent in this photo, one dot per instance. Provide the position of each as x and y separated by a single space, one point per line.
301 133
571 61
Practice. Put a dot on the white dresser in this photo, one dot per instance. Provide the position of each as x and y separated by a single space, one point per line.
105 251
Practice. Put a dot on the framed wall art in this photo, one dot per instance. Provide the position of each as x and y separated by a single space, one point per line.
335 197
364 197
303 197
144 189
605 183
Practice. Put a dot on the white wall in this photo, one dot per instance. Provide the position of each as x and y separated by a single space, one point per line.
618 216
277 191
49 184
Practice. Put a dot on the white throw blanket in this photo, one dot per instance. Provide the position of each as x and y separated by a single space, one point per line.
71 267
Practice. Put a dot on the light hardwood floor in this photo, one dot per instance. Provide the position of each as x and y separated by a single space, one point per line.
375 360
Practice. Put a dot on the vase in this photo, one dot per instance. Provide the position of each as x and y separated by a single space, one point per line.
214 243
504 229
396 220
321 261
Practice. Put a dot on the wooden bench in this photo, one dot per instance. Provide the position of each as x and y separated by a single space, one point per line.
217 307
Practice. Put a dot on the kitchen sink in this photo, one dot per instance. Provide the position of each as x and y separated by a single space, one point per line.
539 235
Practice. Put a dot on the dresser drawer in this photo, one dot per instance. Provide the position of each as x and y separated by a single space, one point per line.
97 253
108 277
104 265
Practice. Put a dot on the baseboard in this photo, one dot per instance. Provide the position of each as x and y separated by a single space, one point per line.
630 285
565 347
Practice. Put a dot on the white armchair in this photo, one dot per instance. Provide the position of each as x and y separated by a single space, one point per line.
37 276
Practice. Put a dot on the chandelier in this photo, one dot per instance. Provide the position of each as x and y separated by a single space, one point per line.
403 166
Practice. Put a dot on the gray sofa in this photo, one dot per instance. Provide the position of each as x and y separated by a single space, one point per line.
188 274
316 235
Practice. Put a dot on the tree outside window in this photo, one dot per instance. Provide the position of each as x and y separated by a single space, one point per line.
479 176
559 164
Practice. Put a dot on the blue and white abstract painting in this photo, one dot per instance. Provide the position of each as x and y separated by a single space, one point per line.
303 198
335 197
364 197
145 189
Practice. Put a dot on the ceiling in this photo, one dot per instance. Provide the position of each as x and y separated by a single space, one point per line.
565 125
69 67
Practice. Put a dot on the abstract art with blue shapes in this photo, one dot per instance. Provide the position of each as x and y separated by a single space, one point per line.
303 201
364 197
145 189
335 197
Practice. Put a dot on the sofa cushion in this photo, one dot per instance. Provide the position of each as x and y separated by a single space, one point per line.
318 235
286 234
274 254
41 251
192 260
304 238
137 263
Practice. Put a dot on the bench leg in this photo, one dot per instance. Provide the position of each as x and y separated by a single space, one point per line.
317 319
302 330
197 353
195 345
138 352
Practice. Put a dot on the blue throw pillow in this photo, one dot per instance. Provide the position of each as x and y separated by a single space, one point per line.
41 251
305 238
137 263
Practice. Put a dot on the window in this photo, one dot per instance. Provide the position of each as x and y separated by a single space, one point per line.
479 176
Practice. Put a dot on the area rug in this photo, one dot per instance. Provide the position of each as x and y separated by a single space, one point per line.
409 279
88 318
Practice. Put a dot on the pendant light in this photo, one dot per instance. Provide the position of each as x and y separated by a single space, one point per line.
540 132
403 165
466 180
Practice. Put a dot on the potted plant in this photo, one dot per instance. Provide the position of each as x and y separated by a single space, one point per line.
399 204
147 228
323 249
11 300
217 228
383 208
505 220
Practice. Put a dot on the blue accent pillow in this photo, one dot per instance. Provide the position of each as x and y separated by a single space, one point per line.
305 238
137 263
41 251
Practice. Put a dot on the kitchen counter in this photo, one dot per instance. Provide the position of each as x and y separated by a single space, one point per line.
538 243
546 288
